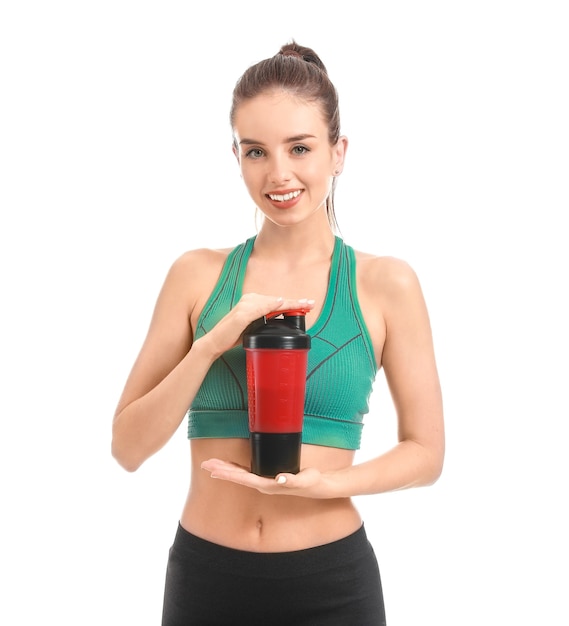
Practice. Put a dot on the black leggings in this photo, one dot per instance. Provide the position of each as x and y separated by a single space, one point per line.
337 584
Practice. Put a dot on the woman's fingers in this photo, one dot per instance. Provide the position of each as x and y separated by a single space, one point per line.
258 305
305 483
252 306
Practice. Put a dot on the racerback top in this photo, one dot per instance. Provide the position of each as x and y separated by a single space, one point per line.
341 362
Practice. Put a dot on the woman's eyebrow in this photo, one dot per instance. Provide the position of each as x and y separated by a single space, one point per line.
299 138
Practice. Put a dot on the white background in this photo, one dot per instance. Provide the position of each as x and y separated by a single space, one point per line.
115 158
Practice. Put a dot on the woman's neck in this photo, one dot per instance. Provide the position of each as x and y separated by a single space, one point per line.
302 243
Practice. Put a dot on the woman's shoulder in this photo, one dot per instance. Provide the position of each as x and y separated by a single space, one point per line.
200 260
196 269
387 271
201 255
388 284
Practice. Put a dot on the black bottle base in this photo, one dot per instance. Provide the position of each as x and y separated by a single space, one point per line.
273 453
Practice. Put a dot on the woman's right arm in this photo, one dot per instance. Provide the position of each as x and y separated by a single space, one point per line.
170 367
165 376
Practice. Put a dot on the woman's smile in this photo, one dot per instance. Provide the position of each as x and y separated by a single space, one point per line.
285 199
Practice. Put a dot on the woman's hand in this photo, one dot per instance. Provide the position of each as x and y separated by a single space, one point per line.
226 334
308 483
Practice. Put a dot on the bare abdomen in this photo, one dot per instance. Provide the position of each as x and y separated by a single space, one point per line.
243 518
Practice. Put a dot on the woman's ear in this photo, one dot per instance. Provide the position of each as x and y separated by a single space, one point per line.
235 151
340 150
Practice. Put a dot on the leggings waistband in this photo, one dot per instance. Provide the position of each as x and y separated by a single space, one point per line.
342 552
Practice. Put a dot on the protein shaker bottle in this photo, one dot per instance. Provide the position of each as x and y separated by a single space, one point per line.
276 348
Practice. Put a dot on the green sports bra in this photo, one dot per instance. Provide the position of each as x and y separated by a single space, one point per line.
341 362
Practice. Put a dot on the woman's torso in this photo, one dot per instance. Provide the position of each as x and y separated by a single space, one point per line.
243 518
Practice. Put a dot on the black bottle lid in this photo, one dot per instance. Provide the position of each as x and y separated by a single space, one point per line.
281 330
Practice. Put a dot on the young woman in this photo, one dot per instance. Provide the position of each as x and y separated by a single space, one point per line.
290 549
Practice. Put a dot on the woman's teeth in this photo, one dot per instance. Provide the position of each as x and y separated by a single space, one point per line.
287 196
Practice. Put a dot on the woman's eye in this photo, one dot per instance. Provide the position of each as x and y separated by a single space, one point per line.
300 150
254 153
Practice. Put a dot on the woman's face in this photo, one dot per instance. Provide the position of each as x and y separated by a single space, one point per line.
286 159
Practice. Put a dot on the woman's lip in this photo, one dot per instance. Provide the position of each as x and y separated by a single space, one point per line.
284 192
284 204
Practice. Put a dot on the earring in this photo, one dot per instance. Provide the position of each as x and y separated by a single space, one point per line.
337 172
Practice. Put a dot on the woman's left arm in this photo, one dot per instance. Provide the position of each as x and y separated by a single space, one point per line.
409 364
408 360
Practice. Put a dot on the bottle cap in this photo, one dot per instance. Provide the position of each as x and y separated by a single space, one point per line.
279 330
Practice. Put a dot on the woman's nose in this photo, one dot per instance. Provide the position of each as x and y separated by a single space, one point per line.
278 171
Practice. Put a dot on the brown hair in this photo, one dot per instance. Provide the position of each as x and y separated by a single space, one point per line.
299 71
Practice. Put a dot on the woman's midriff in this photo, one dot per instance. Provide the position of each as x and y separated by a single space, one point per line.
243 518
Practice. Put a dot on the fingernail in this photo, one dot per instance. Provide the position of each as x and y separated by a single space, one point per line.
281 480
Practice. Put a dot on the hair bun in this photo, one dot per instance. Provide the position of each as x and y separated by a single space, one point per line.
306 54
291 53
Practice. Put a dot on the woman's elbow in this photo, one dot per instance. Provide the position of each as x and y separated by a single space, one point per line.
434 466
125 457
